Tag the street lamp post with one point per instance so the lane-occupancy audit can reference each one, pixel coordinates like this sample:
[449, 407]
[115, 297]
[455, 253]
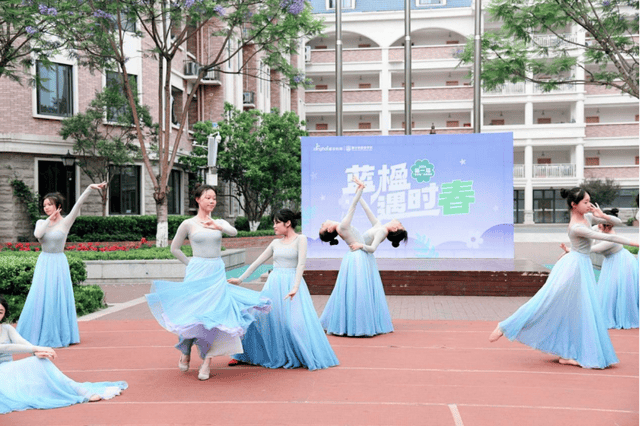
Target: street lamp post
[68, 161]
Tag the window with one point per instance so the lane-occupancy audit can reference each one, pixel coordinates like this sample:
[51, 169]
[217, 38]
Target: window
[128, 22]
[176, 105]
[637, 160]
[453, 124]
[544, 120]
[466, 125]
[592, 120]
[364, 85]
[592, 161]
[426, 3]
[124, 190]
[364, 45]
[543, 160]
[322, 126]
[229, 50]
[53, 176]
[413, 124]
[55, 95]
[321, 87]
[114, 81]
[320, 47]
[452, 42]
[518, 206]
[346, 4]
[497, 122]
[549, 206]
[174, 194]
[364, 126]
[451, 83]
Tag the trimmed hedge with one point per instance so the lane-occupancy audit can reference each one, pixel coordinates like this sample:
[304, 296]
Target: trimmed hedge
[120, 228]
[16, 275]
[242, 224]
[145, 253]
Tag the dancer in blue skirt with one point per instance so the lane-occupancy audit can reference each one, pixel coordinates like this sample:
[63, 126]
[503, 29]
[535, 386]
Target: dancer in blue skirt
[564, 317]
[35, 382]
[357, 305]
[290, 336]
[204, 309]
[617, 288]
[49, 314]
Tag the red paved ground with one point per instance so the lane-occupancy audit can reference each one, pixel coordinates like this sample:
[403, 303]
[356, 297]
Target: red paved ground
[425, 373]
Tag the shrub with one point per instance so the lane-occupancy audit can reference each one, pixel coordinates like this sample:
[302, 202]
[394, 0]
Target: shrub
[129, 228]
[16, 275]
[633, 250]
[89, 298]
[241, 223]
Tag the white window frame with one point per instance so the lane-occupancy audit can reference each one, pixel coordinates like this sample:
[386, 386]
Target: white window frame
[346, 4]
[431, 3]
[74, 89]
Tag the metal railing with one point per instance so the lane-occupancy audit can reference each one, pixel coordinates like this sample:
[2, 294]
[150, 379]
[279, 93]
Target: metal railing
[566, 170]
[508, 89]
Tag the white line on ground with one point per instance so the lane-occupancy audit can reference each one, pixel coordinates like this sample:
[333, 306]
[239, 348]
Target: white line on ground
[457, 419]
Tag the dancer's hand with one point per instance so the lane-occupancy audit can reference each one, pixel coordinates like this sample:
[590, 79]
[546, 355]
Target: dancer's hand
[234, 281]
[98, 185]
[55, 216]
[44, 352]
[564, 247]
[595, 209]
[211, 224]
[356, 246]
[358, 182]
[291, 294]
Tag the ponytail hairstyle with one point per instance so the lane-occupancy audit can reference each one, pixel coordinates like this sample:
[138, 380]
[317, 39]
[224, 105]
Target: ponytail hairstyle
[573, 195]
[4, 303]
[55, 197]
[613, 212]
[286, 215]
[329, 237]
[396, 236]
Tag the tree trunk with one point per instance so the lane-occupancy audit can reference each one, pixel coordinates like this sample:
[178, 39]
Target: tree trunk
[103, 195]
[253, 225]
[162, 234]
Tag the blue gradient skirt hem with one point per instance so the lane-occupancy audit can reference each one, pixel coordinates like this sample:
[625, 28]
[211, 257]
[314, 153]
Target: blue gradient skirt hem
[617, 290]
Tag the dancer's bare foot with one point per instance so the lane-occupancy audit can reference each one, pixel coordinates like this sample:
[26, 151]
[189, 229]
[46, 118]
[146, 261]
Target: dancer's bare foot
[205, 369]
[495, 334]
[564, 361]
[95, 398]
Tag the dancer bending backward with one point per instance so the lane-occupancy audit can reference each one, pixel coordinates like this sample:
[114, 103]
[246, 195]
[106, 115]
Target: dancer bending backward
[357, 305]
[564, 317]
[49, 314]
[290, 335]
[204, 309]
[35, 382]
[617, 288]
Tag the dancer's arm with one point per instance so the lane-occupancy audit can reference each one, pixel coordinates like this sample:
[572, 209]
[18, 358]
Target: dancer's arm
[602, 247]
[372, 218]
[41, 227]
[259, 261]
[75, 211]
[586, 232]
[178, 240]
[346, 222]
[598, 217]
[226, 227]
[19, 345]
[302, 260]
[378, 237]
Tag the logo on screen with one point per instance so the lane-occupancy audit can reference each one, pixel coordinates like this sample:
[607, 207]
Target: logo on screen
[422, 171]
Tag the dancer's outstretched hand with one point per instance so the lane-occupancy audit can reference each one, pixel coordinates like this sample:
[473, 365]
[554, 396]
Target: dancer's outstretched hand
[595, 209]
[234, 281]
[356, 246]
[291, 294]
[211, 224]
[98, 185]
[564, 247]
[42, 352]
[358, 182]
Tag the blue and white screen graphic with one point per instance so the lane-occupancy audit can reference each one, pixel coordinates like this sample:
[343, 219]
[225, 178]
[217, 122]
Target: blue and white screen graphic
[453, 193]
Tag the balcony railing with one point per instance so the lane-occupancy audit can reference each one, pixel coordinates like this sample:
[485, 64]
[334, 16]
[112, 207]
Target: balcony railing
[518, 171]
[554, 170]
[551, 40]
[562, 88]
[508, 89]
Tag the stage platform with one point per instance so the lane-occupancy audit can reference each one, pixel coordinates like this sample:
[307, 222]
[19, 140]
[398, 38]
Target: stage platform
[443, 277]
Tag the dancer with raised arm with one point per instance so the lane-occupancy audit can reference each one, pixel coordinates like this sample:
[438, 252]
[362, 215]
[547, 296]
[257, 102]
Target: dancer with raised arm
[564, 317]
[49, 314]
[289, 336]
[617, 288]
[357, 305]
[204, 309]
[35, 382]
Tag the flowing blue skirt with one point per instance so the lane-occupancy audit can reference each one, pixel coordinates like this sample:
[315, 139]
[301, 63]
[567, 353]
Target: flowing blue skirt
[204, 308]
[357, 305]
[49, 314]
[564, 317]
[37, 383]
[290, 336]
[617, 290]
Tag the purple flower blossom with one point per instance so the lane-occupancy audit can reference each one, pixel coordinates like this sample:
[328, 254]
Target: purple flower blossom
[44, 10]
[219, 10]
[188, 3]
[294, 7]
[606, 3]
[102, 14]
[29, 29]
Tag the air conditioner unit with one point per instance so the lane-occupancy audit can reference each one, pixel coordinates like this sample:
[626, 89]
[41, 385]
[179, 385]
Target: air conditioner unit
[307, 53]
[191, 68]
[212, 74]
[247, 97]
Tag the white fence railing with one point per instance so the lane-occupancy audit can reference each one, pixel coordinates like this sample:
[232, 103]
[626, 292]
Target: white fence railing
[552, 40]
[518, 171]
[554, 170]
[507, 89]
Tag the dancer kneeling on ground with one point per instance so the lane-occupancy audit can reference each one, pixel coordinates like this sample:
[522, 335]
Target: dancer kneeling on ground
[357, 305]
[564, 317]
[290, 335]
[49, 314]
[35, 382]
[617, 288]
[204, 309]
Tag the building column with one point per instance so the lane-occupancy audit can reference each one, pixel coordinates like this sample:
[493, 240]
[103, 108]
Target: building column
[385, 84]
[528, 186]
[528, 113]
[580, 161]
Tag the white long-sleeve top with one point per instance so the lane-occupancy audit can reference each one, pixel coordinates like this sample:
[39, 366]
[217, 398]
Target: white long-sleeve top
[11, 342]
[347, 232]
[374, 235]
[205, 242]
